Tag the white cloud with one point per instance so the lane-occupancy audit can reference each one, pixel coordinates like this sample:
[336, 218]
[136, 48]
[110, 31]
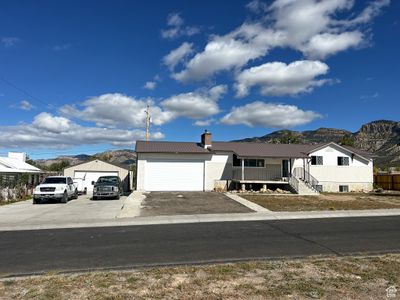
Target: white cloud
[207, 122]
[177, 55]
[277, 78]
[116, 109]
[51, 123]
[195, 105]
[9, 41]
[25, 105]
[323, 45]
[269, 115]
[176, 27]
[150, 85]
[174, 19]
[48, 131]
[316, 28]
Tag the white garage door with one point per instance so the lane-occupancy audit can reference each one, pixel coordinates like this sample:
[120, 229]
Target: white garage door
[174, 175]
[91, 176]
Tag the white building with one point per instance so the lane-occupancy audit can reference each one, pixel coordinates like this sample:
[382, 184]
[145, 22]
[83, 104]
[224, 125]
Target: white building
[12, 166]
[204, 166]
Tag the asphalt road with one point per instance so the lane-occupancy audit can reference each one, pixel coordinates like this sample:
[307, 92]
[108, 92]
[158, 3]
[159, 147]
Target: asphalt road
[25, 252]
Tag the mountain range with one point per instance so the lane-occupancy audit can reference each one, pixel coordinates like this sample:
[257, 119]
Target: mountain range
[381, 138]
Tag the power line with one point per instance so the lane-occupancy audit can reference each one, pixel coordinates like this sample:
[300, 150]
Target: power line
[26, 93]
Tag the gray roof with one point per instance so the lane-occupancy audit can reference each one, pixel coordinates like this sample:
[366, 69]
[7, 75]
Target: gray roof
[170, 147]
[242, 149]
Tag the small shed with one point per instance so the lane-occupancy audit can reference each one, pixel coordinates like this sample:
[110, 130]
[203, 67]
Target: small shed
[92, 170]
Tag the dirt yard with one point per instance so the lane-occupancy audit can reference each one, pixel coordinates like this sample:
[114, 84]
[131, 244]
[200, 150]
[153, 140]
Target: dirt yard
[318, 278]
[328, 201]
[188, 203]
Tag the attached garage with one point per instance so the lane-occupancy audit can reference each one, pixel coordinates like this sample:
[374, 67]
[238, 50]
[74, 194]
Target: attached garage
[92, 170]
[174, 175]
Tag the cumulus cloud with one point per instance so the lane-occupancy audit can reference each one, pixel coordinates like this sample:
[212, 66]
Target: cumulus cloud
[278, 79]
[116, 109]
[195, 105]
[177, 55]
[316, 28]
[25, 105]
[49, 131]
[176, 27]
[10, 41]
[269, 115]
[150, 85]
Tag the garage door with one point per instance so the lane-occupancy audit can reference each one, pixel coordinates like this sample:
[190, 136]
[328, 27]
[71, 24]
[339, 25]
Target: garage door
[90, 176]
[174, 175]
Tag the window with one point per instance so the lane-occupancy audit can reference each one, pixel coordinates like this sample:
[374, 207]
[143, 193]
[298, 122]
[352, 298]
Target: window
[343, 188]
[248, 162]
[317, 160]
[254, 163]
[343, 161]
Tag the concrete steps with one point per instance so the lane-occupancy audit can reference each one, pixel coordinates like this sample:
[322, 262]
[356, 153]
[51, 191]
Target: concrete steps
[304, 189]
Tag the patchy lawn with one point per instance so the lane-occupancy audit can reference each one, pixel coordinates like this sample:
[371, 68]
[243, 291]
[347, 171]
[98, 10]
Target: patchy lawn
[326, 278]
[326, 201]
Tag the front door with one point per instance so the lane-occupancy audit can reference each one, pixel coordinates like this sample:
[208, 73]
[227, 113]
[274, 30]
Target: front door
[285, 168]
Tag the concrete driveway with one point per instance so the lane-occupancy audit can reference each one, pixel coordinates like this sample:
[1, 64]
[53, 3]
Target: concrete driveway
[81, 210]
[189, 203]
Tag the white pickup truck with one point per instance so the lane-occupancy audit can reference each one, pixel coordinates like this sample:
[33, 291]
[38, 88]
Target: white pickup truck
[55, 188]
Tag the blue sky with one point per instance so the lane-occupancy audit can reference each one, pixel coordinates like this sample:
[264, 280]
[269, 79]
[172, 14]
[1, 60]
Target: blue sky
[76, 76]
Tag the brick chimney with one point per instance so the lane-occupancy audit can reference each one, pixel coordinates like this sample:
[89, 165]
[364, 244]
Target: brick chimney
[206, 139]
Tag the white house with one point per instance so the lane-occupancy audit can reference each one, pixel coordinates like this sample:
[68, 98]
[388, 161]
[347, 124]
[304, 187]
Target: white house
[204, 166]
[14, 165]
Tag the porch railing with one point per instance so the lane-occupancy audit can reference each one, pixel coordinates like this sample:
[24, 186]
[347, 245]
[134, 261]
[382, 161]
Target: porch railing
[256, 174]
[306, 177]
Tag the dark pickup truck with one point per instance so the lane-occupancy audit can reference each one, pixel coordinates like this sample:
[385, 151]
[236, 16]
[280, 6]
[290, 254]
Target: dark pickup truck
[107, 187]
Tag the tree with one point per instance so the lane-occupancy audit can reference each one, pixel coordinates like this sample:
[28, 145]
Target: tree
[347, 140]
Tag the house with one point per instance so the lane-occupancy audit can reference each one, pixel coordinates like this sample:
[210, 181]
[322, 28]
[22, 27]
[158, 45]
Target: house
[208, 165]
[14, 165]
[92, 170]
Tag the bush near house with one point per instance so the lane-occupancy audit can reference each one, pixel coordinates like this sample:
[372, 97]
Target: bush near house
[15, 189]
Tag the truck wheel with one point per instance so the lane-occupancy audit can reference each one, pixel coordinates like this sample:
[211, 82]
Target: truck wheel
[65, 197]
[76, 194]
[36, 201]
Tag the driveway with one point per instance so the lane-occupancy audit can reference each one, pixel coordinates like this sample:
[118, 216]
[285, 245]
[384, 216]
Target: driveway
[189, 203]
[81, 210]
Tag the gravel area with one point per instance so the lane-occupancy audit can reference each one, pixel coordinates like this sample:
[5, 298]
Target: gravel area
[188, 203]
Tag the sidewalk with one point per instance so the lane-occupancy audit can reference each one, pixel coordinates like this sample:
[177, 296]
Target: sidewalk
[206, 218]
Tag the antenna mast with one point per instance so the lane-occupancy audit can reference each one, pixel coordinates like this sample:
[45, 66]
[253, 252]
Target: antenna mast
[147, 111]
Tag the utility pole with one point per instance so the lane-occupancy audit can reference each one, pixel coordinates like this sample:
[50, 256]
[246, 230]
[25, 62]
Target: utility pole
[148, 117]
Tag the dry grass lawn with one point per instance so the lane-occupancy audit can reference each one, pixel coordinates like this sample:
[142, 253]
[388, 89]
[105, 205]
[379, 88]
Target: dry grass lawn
[325, 278]
[325, 201]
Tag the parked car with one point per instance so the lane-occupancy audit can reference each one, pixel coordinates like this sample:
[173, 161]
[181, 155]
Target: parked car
[80, 185]
[55, 188]
[107, 187]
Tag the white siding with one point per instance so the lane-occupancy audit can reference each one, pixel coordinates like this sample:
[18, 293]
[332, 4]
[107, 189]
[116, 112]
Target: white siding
[218, 168]
[358, 175]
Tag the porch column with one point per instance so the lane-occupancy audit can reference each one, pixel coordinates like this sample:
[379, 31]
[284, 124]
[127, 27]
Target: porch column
[242, 160]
